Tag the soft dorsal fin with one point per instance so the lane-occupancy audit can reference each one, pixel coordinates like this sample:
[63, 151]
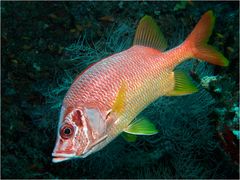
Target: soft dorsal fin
[148, 34]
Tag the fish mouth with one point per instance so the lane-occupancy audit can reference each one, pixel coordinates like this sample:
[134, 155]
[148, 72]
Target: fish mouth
[57, 157]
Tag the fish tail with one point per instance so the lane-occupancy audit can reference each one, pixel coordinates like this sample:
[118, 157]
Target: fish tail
[197, 42]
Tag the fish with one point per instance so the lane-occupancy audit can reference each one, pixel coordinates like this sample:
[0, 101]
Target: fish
[105, 100]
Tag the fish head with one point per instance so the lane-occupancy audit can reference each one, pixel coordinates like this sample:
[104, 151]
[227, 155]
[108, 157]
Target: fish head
[79, 131]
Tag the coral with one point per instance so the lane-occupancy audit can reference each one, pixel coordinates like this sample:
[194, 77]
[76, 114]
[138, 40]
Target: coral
[205, 81]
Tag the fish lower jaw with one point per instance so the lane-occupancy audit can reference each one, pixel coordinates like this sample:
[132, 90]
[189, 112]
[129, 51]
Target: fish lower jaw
[61, 157]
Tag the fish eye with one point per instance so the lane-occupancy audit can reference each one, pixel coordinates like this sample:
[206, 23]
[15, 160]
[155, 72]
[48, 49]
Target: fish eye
[66, 131]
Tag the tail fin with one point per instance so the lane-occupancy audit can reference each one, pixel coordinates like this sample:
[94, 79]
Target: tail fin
[197, 41]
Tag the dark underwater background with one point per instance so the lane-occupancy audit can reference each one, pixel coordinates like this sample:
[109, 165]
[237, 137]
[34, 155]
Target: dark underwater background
[45, 45]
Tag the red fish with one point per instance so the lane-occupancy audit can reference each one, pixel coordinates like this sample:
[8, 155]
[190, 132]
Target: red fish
[105, 99]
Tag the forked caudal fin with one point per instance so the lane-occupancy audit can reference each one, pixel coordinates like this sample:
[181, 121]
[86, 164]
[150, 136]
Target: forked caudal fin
[197, 41]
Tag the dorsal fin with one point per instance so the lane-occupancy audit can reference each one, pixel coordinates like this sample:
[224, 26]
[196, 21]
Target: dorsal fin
[148, 34]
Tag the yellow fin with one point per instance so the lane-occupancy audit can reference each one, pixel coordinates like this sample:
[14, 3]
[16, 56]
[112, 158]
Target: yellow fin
[183, 85]
[148, 34]
[141, 126]
[118, 105]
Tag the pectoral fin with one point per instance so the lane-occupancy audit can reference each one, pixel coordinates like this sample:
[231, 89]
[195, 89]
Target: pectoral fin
[182, 85]
[129, 137]
[141, 126]
[118, 105]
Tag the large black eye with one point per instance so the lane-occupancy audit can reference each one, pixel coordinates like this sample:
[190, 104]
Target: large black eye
[66, 131]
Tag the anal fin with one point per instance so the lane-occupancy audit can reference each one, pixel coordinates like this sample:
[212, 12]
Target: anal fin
[182, 85]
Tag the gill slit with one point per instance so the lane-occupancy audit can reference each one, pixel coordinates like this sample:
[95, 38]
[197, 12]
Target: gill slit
[85, 130]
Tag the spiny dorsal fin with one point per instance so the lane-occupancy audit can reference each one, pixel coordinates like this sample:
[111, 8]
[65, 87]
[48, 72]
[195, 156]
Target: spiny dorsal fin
[183, 84]
[148, 34]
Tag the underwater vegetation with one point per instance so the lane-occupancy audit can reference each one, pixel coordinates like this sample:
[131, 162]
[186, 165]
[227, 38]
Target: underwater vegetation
[45, 45]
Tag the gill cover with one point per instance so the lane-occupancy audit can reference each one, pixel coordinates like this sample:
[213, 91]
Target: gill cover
[96, 121]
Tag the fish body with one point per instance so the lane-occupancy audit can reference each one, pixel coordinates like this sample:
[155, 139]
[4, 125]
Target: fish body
[106, 98]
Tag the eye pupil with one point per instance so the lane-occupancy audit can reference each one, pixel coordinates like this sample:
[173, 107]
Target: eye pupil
[67, 131]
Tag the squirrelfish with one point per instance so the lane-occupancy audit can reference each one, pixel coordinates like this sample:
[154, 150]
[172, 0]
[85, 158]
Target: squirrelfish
[105, 99]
